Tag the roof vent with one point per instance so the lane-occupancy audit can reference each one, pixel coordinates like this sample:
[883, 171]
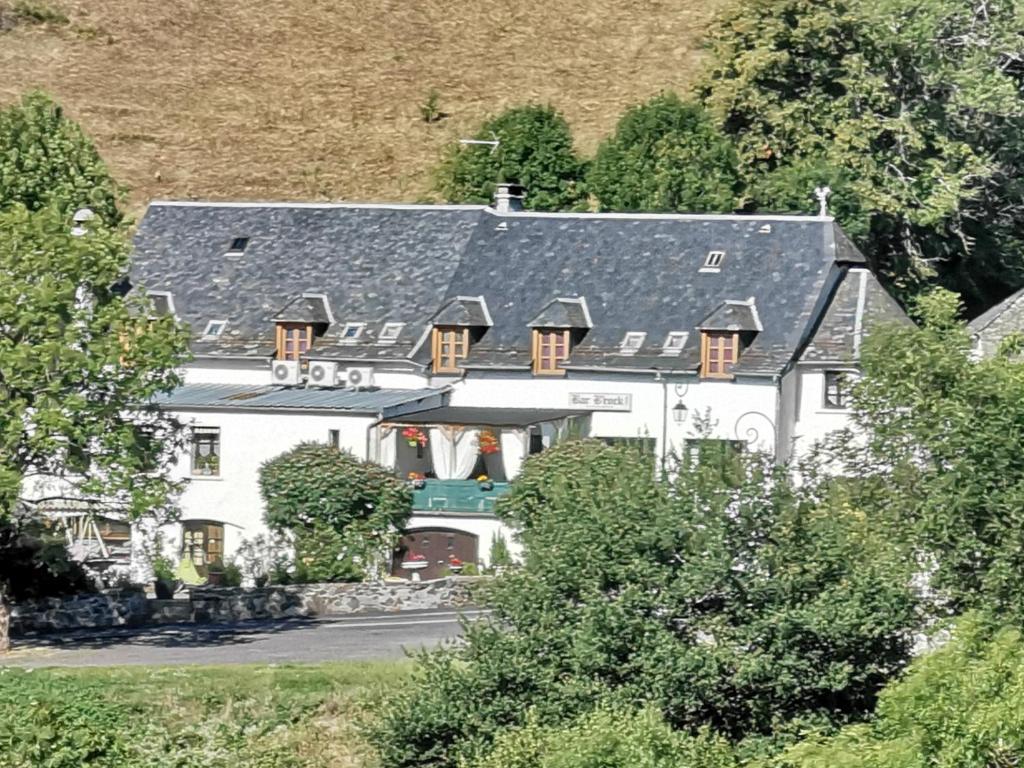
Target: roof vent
[238, 246]
[713, 261]
[509, 198]
[766, 229]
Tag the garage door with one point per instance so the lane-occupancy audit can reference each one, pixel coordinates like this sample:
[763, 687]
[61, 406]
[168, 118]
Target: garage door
[437, 546]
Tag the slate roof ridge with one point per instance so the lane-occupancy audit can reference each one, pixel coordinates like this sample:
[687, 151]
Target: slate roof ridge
[990, 315]
[666, 216]
[468, 207]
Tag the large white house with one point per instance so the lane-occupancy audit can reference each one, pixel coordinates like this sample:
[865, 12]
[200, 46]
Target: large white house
[451, 342]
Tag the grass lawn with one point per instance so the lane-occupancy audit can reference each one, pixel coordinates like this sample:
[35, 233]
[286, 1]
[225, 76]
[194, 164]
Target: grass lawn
[299, 716]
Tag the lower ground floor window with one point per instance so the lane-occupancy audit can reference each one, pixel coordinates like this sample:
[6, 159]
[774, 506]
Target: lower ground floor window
[203, 543]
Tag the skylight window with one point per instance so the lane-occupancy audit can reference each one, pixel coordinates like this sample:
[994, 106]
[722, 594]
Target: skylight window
[713, 261]
[214, 329]
[632, 341]
[238, 245]
[390, 331]
[352, 331]
[674, 342]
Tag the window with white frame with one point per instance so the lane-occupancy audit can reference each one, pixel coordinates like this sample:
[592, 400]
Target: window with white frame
[837, 390]
[214, 329]
[206, 451]
[632, 342]
[713, 261]
[390, 332]
[674, 342]
[352, 331]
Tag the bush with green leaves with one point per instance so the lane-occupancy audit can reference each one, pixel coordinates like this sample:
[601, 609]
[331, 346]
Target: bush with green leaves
[750, 608]
[535, 150]
[606, 738]
[341, 512]
[46, 159]
[962, 705]
[939, 458]
[666, 155]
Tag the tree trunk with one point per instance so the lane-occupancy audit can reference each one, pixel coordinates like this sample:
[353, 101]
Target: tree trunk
[5, 622]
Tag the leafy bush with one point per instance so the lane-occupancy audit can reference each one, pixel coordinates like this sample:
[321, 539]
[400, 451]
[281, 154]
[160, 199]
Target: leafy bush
[535, 150]
[606, 738]
[665, 155]
[747, 609]
[500, 557]
[34, 562]
[958, 706]
[340, 511]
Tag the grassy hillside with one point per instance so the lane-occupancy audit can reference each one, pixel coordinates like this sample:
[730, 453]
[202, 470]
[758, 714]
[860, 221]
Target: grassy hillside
[321, 98]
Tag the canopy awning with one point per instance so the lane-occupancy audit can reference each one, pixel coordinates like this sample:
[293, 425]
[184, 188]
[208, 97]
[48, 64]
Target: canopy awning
[489, 417]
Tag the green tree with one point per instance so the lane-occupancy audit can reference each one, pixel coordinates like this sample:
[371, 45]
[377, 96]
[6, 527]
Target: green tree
[959, 705]
[940, 454]
[46, 159]
[341, 511]
[666, 155]
[80, 364]
[742, 607]
[910, 111]
[535, 150]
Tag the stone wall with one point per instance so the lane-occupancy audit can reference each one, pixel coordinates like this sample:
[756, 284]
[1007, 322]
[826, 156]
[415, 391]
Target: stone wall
[231, 604]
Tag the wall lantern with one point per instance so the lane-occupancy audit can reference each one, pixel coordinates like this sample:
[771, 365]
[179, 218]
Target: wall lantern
[679, 412]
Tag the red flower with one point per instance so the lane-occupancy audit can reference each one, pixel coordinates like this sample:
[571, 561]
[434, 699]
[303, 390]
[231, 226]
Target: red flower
[414, 557]
[453, 560]
[488, 442]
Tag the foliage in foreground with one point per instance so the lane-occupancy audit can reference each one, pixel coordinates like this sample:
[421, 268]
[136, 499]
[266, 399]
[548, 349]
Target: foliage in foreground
[962, 705]
[747, 609]
[941, 458]
[535, 150]
[206, 717]
[607, 738]
[342, 512]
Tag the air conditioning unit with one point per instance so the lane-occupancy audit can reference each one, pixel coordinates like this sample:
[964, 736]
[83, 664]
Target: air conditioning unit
[285, 372]
[322, 374]
[359, 378]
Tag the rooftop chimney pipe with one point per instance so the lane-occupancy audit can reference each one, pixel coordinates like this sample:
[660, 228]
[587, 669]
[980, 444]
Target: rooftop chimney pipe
[509, 198]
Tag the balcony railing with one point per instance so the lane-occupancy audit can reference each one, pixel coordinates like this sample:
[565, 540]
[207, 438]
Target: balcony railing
[456, 496]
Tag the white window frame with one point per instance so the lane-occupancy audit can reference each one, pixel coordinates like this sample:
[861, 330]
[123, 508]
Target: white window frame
[713, 261]
[346, 339]
[209, 334]
[670, 349]
[385, 337]
[632, 342]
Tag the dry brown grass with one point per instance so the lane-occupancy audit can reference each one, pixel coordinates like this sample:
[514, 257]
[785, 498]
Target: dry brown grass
[320, 98]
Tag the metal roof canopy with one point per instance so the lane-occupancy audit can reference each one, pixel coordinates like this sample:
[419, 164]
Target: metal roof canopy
[490, 417]
[385, 402]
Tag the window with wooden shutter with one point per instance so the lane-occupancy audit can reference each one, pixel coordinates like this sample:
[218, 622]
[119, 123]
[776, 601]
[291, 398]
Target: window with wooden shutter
[293, 340]
[451, 347]
[550, 351]
[719, 351]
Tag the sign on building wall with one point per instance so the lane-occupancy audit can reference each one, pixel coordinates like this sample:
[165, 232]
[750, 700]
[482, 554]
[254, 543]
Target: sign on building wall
[597, 401]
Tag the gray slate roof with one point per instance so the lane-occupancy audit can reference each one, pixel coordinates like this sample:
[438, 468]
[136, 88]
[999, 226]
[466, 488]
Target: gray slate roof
[990, 328]
[392, 263]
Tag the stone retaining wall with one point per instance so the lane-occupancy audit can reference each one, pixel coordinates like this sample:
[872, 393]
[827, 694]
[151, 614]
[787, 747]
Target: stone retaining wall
[230, 604]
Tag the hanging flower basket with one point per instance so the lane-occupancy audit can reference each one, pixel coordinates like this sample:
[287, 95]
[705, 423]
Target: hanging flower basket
[488, 442]
[414, 436]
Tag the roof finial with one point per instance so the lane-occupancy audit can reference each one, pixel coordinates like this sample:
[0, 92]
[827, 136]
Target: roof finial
[822, 194]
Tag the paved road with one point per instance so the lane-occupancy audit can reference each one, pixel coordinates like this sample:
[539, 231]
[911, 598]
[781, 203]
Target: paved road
[359, 637]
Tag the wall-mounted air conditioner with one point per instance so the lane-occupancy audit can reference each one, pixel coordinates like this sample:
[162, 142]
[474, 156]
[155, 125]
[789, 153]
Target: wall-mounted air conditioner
[359, 378]
[322, 374]
[285, 372]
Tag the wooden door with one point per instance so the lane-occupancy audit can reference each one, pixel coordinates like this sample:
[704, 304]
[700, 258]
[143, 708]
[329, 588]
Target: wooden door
[438, 546]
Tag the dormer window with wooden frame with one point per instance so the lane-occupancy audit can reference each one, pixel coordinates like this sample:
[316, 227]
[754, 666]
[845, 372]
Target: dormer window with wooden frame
[299, 323]
[719, 351]
[460, 323]
[551, 348]
[724, 334]
[294, 340]
[450, 348]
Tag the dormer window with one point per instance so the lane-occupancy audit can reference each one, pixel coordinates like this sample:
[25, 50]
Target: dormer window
[294, 340]
[674, 342]
[450, 348]
[551, 348]
[632, 342]
[719, 352]
[238, 246]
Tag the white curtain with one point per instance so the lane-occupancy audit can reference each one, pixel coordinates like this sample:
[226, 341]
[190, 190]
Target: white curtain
[387, 446]
[515, 444]
[453, 451]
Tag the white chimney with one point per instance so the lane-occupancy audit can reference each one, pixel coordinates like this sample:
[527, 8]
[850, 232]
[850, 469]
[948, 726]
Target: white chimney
[509, 198]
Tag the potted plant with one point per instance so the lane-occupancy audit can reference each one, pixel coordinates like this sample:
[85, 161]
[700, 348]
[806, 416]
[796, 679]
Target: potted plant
[418, 480]
[164, 583]
[454, 564]
[488, 442]
[486, 484]
[215, 575]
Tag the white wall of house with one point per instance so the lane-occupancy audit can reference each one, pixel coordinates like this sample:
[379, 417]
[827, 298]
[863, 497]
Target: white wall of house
[814, 421]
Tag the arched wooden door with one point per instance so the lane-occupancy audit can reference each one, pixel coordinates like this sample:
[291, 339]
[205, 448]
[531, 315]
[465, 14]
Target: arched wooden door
[437, 546]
